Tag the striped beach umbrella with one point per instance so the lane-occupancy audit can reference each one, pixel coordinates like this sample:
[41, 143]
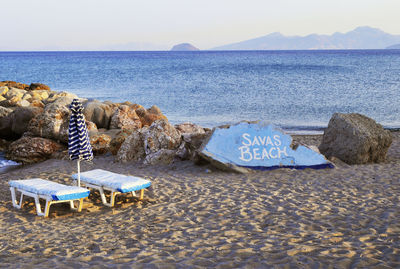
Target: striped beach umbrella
[79, 147]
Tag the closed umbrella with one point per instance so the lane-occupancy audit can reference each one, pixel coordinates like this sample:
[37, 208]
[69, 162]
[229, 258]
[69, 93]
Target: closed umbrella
[79, 147]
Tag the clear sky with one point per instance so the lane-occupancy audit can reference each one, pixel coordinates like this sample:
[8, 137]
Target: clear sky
[91, 24]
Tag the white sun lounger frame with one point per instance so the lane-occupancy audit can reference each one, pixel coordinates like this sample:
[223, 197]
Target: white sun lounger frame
[114, 192]
[48, 198]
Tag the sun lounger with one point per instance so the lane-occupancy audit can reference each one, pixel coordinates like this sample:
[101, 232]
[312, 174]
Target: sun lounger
[50, 191]
[115, 183]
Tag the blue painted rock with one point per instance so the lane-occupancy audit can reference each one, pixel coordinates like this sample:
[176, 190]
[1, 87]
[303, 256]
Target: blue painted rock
[258, 146]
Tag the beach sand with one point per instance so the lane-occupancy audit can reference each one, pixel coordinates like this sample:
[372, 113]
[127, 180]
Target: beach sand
[199, 217]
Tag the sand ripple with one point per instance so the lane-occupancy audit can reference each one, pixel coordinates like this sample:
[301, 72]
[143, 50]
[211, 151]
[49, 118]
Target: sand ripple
[197, 217]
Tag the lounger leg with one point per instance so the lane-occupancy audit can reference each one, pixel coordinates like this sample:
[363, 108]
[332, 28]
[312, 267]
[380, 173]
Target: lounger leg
[112, 198]
[80, 205]
[102, 195]
[14, 198]
[141, 194]
[133, 193]
[47, 208]
[71, 203]
[38, 209]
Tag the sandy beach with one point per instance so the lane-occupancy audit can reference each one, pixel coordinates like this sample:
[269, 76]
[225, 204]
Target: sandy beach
[199, 217]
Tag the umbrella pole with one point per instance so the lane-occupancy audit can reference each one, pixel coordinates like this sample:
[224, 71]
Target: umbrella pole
[79, 173]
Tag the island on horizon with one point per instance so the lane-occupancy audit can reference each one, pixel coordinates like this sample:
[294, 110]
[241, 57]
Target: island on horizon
[184, 47]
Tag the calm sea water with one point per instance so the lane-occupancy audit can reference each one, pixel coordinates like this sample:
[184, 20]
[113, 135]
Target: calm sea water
[297, 90]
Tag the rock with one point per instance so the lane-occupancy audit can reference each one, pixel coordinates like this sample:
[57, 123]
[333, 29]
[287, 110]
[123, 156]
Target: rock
[118, 140]
[257, 146]
[53, 96]
[53, 122]
[14, 92]
[32, 149]
[2, 98]
[5, 126]
[37, 103]
[148, 141]
[188, 127]
[91, 127]
[355, 139]
[4, 144]
[15, 123]
[132, 149]
[38, 86]
[26, 96]
[125, 117]
[41, 94]
[99, 113]
[22, 103]
[100, 143]
[14, 84]
[4, 111]
[21, 117]
[3, 90]
[161, 135]
[147, 117]
[191, 143]
[163, 156]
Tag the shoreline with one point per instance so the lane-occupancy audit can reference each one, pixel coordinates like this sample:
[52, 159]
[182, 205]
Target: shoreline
[197, 216]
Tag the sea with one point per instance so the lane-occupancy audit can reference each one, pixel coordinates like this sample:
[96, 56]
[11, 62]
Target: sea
[295, 90]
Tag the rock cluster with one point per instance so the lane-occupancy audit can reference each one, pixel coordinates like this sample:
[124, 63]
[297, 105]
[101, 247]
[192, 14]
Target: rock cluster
[34, 126]
[355, 139]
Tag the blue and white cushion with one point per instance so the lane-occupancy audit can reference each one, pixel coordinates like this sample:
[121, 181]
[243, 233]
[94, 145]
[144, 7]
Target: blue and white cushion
[112, 180]
[44, 187]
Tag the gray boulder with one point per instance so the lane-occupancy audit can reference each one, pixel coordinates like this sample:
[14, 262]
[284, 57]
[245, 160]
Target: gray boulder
[132, 148]
[32, 149]
[4, 111]
[125, 117]
[53, 122]
[355, 139]
[188, 127]
[99, 113]
[14, 124]
[152, 145]
[21, 117]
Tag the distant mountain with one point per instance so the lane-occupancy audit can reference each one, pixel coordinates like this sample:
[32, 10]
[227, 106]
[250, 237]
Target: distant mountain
[360, 38]
[394, 47]
[184, 47]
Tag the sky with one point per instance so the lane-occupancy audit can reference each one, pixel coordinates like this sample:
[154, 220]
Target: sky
[160, 24]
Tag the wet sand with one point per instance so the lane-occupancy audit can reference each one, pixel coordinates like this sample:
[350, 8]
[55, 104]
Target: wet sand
[199, 217]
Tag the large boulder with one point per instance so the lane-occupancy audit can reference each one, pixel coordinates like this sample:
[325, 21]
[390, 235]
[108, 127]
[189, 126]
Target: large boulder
[54, 96]
[3, 90]
[148, 116]
[4, 111]
[21, 117]
[193, 136]
[14, 84]
[100, 143]
[53, 122]
[38, 87]
[39, 94]
[13, 97]
[125, 117]
[161, 135]
[32, 149]
[99, 113]
[191, 143]
[119, 139]
[151, 144]
[189, 128]
[16, 122]
[132, 148]
[355, 139]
